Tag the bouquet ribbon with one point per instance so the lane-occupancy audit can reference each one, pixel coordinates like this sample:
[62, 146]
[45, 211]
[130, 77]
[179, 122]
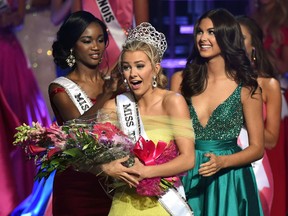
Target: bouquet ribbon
[147, 151]
[36, 150]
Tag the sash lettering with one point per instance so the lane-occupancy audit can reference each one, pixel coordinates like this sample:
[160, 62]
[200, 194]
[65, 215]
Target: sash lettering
[79, 97]
[82, 102]
[128, 115]
[111, 22]
[106, 10]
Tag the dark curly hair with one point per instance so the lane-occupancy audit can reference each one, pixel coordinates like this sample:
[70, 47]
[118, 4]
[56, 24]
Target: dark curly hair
[229, 38]
[70, 31]
[262, 64]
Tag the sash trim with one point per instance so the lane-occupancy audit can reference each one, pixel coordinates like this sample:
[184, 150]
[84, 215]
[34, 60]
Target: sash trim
[76, 94]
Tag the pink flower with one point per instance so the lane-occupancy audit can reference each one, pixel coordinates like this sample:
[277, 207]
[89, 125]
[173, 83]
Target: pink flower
[151, 154]
[107, 129]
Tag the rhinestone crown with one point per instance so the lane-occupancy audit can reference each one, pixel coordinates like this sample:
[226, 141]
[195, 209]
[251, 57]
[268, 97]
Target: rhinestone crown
[145, 32]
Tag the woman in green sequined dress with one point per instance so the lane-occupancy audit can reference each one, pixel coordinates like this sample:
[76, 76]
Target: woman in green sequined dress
[222, 92]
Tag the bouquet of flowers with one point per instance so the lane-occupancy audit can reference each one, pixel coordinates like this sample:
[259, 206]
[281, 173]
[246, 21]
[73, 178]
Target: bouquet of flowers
[85, 144]
[80, 144]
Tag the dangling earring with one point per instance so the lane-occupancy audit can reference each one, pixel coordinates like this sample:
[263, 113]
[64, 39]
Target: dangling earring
[253, 55]
[126, 85]
[154, 82]
[70, 59]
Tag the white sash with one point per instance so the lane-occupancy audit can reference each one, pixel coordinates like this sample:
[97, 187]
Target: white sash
[128, 116]
[111, 22]
[174, 200]
[76, 94]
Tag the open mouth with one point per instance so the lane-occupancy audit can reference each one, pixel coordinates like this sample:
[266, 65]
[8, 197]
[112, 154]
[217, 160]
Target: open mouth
[135, 84]
[205, 46]
[95, 56]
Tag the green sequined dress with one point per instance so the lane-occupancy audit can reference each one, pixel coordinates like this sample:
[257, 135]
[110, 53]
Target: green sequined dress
[231, 191]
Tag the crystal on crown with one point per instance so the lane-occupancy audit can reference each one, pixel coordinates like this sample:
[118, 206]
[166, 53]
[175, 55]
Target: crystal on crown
[145, 32]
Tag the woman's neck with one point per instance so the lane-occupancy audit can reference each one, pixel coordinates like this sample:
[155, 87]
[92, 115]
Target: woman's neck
[216, 67]
[86, 74]
[149, 99]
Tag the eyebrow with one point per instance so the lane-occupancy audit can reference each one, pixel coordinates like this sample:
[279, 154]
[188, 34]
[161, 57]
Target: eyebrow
[135, 62]
[212, 28]
[86, 36]
[139, 61]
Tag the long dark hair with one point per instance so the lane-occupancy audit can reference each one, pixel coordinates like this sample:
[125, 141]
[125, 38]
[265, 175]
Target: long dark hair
[229, 38]
[69, 33]
[260, 60]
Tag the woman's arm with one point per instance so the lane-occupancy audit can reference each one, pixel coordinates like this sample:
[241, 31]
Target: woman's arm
[67, 109]
[272, 93]
[176, 80]
[63, 103]
[141, 11]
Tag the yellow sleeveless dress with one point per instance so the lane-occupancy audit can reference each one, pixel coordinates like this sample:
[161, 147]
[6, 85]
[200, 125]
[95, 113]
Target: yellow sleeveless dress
[126, 202]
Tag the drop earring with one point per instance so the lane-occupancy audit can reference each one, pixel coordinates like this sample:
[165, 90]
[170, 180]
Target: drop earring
[253, 55]
[154, 82]
[126, 85]
[71, 59]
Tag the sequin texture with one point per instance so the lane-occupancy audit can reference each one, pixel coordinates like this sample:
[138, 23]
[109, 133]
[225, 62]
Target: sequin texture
[224, 123]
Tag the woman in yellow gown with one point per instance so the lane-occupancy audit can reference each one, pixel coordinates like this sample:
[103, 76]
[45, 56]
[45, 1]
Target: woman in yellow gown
[149, 111]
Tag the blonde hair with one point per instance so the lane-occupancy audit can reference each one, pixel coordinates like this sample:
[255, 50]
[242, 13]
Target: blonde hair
[152, 55]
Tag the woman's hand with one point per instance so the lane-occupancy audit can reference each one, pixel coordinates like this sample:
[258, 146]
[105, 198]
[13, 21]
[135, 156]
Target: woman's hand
[139, 168]
[113, 81]
[212, 166]
[116, 170]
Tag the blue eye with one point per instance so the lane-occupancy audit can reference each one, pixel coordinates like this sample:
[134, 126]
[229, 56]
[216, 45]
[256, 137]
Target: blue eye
[126, 68]
[140, 66]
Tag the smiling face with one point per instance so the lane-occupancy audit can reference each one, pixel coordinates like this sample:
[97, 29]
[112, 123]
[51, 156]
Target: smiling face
[90, 46]
[138, 71]
[206, 40]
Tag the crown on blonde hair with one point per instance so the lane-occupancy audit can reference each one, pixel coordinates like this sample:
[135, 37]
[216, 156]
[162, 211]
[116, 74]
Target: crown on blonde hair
[146, 33]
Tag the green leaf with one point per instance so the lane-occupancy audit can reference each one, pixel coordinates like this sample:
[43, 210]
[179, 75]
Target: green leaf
[74, 152]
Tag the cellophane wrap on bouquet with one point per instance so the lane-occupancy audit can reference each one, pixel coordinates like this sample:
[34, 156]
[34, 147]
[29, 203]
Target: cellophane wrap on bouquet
[86, 143]
[82, 144]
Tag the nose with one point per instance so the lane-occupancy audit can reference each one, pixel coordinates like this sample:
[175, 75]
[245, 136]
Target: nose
[95, 45]
[132, 72]
[203, 37]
